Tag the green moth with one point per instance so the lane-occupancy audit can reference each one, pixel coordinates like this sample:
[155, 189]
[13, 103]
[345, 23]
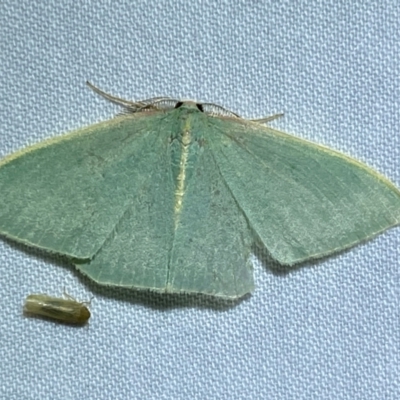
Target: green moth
[171, 195]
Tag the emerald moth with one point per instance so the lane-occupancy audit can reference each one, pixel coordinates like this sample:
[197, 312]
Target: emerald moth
[66, 310]
[171, 195]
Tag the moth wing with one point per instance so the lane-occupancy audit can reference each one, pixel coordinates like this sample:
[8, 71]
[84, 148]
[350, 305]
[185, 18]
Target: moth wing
[303, 200]
[212, 242]
[74, 194]
[136, 253]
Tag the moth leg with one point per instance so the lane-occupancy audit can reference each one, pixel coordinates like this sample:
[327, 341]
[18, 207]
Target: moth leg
[69, 297]
[264, 120]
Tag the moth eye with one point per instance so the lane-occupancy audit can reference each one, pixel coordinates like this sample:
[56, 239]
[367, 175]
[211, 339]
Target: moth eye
[200, 107]
[178, 104]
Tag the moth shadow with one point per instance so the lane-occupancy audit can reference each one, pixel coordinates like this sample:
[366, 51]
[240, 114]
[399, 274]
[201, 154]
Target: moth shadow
[166, 301]
[55, 321]
[155, 300]
[53, 258]
[277, 269]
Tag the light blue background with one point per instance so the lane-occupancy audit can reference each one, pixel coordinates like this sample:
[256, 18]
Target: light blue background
[329, 330]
